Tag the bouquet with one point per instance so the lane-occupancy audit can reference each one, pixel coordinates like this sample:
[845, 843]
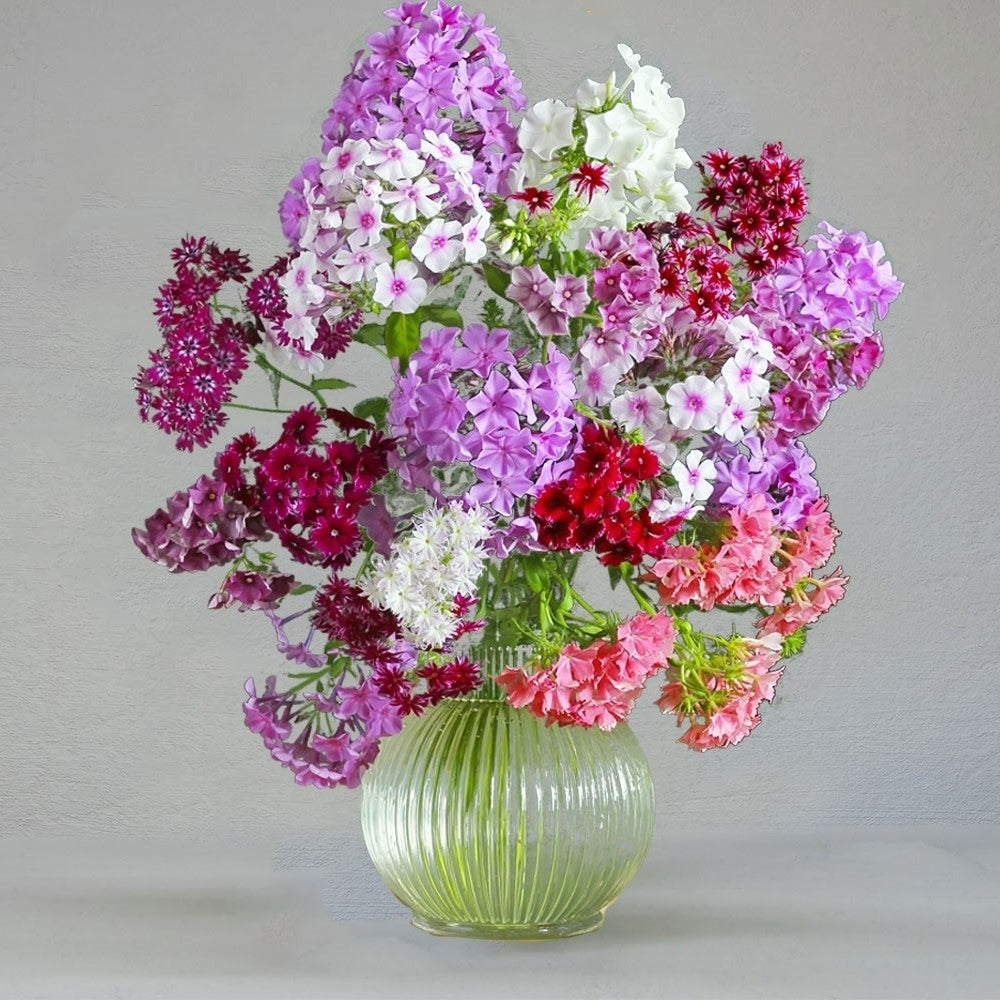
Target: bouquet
[583, 361]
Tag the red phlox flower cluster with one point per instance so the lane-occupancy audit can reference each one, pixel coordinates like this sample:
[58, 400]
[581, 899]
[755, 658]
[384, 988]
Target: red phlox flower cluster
[693, 267]
[592, 508]
[757, 203]
[310, 492]
[756, 563]
[738, 715]
[183, 388]
[596, 685]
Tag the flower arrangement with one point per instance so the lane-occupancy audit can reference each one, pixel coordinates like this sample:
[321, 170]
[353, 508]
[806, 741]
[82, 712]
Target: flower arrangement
[579, 364]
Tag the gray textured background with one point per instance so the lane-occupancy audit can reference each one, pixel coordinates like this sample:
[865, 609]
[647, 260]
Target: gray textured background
[128, 124]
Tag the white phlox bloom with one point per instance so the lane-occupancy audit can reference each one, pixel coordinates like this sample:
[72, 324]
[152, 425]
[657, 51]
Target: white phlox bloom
[695, 476]
[394, 161]
[743, 374]
[591, 95]
[615, 135]
[473, 233]
[695, 403]
[548, 126]
[441, 557]
[400, 288]
[341, 163]
[299, 283]
[639, 410]
[741, 332]
[437, 246]
[412, 198]
[737, 417]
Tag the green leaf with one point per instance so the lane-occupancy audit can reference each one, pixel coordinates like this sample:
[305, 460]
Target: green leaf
[444, 315]
[402, 336]
[374, 409]
[614, 575]
[372, 334]
[497, 279]
[303, 588]
[275, 379]
[457, 296]
[331, 383]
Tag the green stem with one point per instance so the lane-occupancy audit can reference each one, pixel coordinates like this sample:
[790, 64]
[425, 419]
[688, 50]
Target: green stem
[640, 597]
[267, 366]
[256, 409]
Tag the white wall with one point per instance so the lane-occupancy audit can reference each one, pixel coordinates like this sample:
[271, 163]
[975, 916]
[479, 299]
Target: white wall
[128, 124]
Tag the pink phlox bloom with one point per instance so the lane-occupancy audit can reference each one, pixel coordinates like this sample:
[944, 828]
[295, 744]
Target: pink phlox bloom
[805, 603]
[569, 294]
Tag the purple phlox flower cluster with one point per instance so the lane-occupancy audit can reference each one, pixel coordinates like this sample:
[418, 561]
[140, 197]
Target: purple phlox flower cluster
[355, 720]
[297, 652]
[767, 463]
[439, 69]
[200, 527]
[818, 310]
[465, 399]
[187, 381]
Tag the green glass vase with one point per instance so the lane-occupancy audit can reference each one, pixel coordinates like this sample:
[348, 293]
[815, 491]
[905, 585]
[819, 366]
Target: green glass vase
[487, 823]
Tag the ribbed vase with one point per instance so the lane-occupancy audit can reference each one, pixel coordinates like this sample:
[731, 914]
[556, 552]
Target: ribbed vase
[487, 823]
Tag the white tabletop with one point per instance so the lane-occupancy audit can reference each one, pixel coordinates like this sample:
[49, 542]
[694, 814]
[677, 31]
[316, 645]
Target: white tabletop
[862, 912]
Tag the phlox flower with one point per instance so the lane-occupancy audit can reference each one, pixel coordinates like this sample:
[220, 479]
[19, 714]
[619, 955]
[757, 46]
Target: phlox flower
[615, 135]
[299, 283]
[399, 288]
[436, 247]
[473, 243]
[393, 161]
[412, 198]
[694, 476]
[359, 264]
[639, 410]
[364, 218]
[743, 374]
[695, 403]
[342, 162]
[546, 127]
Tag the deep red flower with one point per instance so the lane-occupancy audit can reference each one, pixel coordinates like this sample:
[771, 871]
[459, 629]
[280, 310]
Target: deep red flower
[537, 199]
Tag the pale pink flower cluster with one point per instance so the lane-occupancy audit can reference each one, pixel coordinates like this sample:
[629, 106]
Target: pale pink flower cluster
[758, 563]
[596, 685]
[738, 715]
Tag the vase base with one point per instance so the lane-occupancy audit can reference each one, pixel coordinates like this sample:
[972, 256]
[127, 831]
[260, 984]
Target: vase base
[509, 932]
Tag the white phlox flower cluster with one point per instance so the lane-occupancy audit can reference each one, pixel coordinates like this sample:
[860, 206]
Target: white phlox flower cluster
[441, 557]
[631, 129]
[370, 195]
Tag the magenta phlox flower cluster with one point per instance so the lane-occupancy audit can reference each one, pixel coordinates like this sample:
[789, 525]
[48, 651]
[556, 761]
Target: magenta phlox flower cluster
[253, 591]
[818, 311]
[183, 388]
[310, 492]
[465, 399]
[200, 527]
[550, 304]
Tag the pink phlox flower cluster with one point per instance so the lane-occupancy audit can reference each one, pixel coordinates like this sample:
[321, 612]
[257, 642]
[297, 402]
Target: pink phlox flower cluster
[465, 399]
[732, 709]
[598, 684]
[804, 603]
[550, 304]
[756, 563]
[253, 591]
[200, 527]
[188, 380]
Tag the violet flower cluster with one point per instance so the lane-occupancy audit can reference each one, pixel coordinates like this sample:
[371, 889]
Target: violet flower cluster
[580, 363]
